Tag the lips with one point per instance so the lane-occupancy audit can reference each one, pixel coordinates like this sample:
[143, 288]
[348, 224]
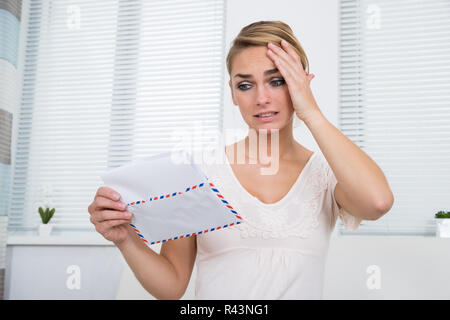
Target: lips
[267, 118]
[257, 115]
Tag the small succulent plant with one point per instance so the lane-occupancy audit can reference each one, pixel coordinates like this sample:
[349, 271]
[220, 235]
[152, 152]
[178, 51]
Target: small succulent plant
[46, 215]
[442, 214]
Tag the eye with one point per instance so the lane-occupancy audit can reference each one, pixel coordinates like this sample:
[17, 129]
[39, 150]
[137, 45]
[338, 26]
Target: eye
[280, 82]
[243, 88]
[275, 82]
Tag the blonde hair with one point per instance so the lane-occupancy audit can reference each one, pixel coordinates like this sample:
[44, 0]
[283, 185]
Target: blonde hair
[260, 34]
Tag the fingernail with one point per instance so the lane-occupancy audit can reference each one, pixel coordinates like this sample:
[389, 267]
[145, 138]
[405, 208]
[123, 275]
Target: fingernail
[127, 214]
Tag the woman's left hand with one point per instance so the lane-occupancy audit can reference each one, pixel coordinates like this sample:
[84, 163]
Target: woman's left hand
[290, 66]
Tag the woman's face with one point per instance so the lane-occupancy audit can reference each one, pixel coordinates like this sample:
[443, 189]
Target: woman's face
[258, 87]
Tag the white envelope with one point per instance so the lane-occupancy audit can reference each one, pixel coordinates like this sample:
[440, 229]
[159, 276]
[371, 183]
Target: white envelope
[170, 197]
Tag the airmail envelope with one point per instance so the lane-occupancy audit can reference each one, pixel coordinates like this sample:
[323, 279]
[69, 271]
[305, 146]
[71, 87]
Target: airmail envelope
[170, 197]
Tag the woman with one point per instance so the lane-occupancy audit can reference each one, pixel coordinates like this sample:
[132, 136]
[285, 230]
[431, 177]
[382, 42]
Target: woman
[279, 252]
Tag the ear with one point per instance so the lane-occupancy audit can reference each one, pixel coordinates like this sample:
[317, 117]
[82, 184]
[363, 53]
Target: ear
[232, 95]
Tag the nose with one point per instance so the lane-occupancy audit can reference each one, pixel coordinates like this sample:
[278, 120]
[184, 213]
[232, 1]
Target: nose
[263, 96]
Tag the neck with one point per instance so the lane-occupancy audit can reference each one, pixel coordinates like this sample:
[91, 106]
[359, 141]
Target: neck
[263, 146]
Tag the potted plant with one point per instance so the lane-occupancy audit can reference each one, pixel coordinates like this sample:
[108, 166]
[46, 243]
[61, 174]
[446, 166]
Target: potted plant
[442, 224]
[45, 228]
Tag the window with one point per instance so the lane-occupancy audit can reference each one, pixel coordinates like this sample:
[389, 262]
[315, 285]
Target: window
[395, 104]
[104, 83]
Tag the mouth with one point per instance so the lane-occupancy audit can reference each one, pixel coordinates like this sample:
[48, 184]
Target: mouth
[267, 116]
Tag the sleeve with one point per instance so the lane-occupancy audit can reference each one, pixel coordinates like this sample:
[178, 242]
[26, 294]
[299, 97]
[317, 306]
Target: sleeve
[350, 222]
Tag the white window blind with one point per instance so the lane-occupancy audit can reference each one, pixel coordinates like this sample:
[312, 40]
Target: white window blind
[395, 104]
[106, 82]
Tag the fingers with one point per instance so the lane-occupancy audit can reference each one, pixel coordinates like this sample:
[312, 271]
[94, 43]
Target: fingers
[106, 198]
[104, 207]
[101, 203]
[291, 52]
[282, 55]
[107, 212]
[102, 227]
[285, 69]
[105, 215]
[105, 203]
[287, 57]
[108, 193]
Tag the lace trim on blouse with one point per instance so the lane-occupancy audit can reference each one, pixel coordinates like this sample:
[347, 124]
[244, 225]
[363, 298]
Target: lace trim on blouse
[292, 218]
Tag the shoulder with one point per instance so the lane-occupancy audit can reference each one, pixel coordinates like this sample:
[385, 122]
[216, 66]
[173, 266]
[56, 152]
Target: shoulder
[324, 170]
[317, 171]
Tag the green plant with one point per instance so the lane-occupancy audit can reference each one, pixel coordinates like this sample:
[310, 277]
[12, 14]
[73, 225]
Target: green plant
[46, 215]
[442, 214]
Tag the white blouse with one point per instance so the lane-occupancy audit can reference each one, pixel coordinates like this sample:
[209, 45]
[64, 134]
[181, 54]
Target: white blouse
[280, 250]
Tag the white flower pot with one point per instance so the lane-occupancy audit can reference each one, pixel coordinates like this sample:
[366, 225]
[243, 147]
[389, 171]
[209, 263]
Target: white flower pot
[45, 229]
[443, 227]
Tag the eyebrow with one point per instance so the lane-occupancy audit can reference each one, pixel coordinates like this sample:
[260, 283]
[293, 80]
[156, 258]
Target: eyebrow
[266, 73]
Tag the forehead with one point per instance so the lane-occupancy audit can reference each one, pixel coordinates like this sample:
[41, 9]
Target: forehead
[253, 60]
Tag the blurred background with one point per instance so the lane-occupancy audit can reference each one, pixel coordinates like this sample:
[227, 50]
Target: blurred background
[86, 86]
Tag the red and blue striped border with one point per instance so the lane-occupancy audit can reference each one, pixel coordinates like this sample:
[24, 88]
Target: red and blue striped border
[154, 198]
[213, 188]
